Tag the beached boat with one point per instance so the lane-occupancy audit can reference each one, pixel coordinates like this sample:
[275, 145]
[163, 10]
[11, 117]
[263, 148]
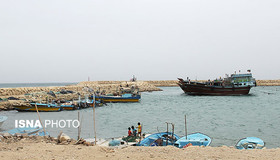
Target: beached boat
[236, 84]
[28, 130]
[196, 139]
[42, 107]
[2, 120]
[159, 139]
[250, 143]
[123, 98]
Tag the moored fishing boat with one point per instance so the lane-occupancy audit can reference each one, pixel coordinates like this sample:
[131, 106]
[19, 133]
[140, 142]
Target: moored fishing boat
[2, 120]
[42, 107]
[95, 103]
[250, 143]
[236, 84]
[123, 98]
[159, 139]
[68, 106]
[195, 139]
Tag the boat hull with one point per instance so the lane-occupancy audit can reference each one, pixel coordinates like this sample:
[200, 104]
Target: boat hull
[196, 89]
[108, 99]
[152, 140]
[250, 143]
[196, 139]
[68, 107]
[2, 120]
[33, 109]
[41, 108]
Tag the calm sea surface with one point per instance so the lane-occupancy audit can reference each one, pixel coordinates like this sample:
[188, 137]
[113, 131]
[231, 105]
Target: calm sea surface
[226, 119]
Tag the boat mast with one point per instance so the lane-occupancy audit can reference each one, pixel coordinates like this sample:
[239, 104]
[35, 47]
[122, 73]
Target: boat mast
[186, 126]
[40, 119]
[93, 98]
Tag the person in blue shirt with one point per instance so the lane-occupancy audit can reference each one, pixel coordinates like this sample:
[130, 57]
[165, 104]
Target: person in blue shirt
[134, 132]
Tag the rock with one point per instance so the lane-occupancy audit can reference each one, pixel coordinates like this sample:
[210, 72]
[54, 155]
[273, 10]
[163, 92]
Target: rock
[24, 135]
[87, 143]
[73, 142]
[7, 135]
[63, 137]
[19, 148]
[18, 135]
[63, 143]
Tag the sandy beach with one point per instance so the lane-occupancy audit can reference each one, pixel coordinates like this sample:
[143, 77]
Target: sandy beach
[39, 149]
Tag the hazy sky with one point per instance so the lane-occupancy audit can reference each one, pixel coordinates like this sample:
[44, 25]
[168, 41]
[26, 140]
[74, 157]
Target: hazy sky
[69, 40]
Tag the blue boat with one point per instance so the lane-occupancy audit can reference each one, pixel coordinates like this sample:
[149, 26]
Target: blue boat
[28, 130]
[195, 139]
[42, 107]
[128, 97]
[69, 106]
[159, 139]
[250, 143]
[2, 120]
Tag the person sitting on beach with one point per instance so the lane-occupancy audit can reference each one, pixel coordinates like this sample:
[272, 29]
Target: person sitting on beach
[134, 132]
[129, 132]
[139, 129]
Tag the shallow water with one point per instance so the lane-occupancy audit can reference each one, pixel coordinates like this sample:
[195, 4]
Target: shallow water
[226, 119]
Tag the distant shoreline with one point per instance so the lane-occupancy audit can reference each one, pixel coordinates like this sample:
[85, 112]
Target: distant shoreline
[157, 83]
[171, 83]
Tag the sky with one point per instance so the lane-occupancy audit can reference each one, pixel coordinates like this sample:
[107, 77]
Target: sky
[71, 40]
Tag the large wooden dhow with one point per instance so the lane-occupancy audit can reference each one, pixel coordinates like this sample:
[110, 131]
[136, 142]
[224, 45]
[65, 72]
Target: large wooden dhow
[236, 84]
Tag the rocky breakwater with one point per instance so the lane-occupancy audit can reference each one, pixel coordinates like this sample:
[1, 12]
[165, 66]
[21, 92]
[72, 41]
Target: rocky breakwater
[10, 97]
[268, 82]
[113, 86]
[164, 83]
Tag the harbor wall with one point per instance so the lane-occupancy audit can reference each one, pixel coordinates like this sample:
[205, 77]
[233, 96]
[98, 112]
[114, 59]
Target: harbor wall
[39, 94]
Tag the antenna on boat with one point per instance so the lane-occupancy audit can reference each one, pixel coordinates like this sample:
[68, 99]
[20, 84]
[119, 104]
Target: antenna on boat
[167, 133]
[93, 98]
[173, 128]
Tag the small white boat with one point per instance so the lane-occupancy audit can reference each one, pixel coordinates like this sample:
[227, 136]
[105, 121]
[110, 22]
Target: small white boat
[195, 139]
[2, 120]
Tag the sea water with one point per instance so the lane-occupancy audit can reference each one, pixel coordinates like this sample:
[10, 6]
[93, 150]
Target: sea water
[15, 85]
[225, 119]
